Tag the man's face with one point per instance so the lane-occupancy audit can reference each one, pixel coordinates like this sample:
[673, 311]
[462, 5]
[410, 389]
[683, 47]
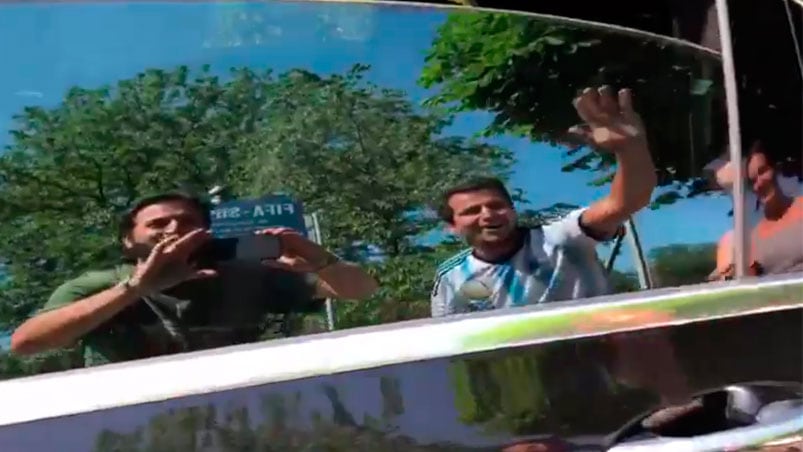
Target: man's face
[483, 217]
[159, 221]
[762, 177]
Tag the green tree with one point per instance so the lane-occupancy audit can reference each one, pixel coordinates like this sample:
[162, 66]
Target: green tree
[623, 281]
[480, 398]
[72, 169]
[525, 71]
[283, 423]
[405, 284]
[12, 366]
[517, 392]
[362, 156]
[371, 164]
[682, 264]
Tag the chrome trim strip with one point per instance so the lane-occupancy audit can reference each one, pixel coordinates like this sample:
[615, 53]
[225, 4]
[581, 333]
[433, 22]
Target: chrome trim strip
[157, 379]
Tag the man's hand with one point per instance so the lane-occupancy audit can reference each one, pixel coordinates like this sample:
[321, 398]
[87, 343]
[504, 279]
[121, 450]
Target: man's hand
[610, 122]
[335, 278]
[729, 272]
[299, 254]
[612, 125]
[168, 264]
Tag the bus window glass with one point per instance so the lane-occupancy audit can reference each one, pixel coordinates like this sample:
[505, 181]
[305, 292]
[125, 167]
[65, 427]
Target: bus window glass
[248, 171]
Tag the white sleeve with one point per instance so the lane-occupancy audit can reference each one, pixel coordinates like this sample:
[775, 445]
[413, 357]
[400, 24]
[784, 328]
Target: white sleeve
[442, 297]
[567, 231]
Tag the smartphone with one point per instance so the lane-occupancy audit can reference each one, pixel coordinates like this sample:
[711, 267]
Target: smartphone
[255, 248]
[259, 248]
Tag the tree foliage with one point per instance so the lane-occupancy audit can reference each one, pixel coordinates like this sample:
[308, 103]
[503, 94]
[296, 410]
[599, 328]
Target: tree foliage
[526, 71]
[682, 264]
[517, 393]
[274, 426]
[361, 155]
[72, 169]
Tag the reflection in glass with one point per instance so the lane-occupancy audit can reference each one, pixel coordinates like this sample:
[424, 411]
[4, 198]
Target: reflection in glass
[274, 423]
[517, 68]
[513, 266]
[315, 416]
[363, 141]
[773, 192]
[578, 392]
[776, 247]
[537, 394]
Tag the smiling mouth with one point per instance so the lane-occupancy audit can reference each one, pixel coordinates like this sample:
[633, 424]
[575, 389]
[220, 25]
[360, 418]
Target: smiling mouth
[494, 227]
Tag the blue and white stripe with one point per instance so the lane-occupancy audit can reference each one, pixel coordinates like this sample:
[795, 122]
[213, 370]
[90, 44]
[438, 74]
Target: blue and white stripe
[557, 262]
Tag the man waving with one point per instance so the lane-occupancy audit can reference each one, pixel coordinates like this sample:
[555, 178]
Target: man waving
[511, 266]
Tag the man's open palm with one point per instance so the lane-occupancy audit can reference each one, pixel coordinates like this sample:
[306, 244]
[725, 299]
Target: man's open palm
[610, 123]
[168, 263]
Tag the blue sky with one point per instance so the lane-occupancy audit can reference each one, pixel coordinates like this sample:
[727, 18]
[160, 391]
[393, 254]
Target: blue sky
[49, 48]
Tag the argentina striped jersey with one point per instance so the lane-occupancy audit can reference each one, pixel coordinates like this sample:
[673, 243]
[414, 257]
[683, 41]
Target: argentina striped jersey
[557, 261]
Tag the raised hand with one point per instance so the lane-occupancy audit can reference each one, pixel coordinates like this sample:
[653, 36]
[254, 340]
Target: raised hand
[168, 264]
[610, 123]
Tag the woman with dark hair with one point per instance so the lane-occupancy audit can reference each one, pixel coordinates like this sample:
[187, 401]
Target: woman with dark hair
[777, 238]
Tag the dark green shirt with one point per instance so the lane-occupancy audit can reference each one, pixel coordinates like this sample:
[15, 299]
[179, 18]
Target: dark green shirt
[213, 312]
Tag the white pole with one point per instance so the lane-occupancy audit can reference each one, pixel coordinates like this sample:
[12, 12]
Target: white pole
[642, 269]
[740, 227]
[318, 238]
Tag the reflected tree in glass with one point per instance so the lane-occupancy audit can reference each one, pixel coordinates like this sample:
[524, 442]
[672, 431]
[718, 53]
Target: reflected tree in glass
[364, 156]
[526, 71]
[278, 422]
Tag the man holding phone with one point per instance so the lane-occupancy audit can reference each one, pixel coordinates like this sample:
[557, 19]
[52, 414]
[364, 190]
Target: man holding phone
[171, 296]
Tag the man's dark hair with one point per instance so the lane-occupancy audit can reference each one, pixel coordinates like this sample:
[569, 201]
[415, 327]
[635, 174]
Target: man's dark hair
[127, 220]
[445, 211]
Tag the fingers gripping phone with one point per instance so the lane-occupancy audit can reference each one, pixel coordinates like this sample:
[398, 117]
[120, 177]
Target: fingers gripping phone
[255, 248]
[258, 248]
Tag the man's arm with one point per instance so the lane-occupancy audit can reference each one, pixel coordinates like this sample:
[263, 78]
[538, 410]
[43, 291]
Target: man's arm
[344, 280]
[69, 317]
[80, 306]
[612, 125]
[293, 290]
[724, 267]
[335, 278]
